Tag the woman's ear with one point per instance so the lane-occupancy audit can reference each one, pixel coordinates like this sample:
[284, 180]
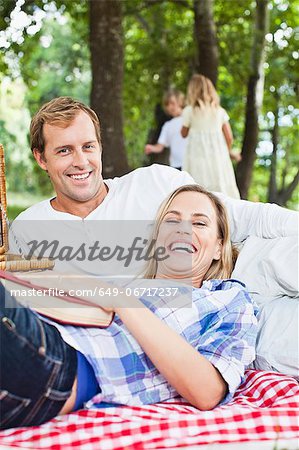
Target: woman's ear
[218, 250]
[40, 159]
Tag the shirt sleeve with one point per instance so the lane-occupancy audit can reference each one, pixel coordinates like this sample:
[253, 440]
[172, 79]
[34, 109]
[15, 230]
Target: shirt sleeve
[186, 116]
[264, 220]
[164, 135]
[229, 341]
[225, 116]
[181, 178]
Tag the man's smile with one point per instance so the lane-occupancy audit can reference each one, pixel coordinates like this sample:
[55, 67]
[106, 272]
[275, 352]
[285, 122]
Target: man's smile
[79, 176]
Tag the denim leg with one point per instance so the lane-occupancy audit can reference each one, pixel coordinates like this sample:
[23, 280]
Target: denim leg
[37, 368]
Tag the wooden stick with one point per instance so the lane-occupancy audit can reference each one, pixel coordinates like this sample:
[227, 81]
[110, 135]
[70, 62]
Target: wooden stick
[3, 224]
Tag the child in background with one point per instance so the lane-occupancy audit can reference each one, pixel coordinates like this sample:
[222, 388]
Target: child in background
[170, 136]
[208, 153]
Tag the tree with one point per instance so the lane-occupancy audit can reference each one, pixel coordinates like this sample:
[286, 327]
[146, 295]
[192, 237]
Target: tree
[160, 50]
[254, 99]
[283, 194]
[104, 23]
[107, 59]
[205, 37]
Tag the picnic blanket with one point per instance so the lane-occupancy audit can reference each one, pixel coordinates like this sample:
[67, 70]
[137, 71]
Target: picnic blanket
[265, 407]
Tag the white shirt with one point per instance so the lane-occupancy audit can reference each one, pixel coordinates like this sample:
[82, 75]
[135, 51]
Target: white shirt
[171, 137]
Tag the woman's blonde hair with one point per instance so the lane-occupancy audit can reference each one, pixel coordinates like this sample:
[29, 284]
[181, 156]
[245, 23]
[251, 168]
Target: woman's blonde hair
[221, 268]
[201, 92]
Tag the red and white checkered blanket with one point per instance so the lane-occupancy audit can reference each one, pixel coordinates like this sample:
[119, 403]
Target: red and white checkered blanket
[265, 407]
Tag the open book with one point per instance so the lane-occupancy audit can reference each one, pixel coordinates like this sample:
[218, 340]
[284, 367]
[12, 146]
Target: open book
[49, 295]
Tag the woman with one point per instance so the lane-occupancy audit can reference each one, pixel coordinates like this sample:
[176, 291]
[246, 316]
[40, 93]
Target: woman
[209, 151]
[152, 354]
[192, 226]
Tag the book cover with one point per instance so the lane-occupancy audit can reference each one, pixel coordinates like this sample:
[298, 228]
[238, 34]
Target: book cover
[49, 295]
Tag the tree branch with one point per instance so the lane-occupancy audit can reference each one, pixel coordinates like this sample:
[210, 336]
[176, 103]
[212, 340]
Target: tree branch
[143, 23]
[286, 194]
[149, 3]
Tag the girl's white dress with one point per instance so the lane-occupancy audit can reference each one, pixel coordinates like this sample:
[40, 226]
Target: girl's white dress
[207, 158]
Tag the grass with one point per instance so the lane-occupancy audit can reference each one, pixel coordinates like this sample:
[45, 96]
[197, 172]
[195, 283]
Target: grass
[14, 211]
[19, 201]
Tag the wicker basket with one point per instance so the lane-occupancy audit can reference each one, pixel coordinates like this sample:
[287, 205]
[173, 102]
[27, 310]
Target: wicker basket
[14, 263]
[3, 224]
[8, 261]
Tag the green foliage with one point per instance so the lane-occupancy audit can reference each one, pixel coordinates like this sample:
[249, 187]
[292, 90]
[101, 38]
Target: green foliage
[59, 65]
[158, 50]
[159, 53]
[14, 211]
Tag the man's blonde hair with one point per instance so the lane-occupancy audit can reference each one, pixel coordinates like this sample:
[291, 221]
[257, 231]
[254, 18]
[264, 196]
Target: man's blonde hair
[201, 92]
[221, 268]
[61, 112]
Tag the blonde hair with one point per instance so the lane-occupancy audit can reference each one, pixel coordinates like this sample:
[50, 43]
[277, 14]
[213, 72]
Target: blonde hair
[61, 112]
[201, 92]
[178, 95]
[221, 268]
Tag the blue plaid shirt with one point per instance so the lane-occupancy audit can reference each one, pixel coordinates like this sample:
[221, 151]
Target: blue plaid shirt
[221, 324]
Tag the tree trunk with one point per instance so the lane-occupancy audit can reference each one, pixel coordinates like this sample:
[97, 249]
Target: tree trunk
[106, 47]
[272, 191]
[206, 40]
[282, 195]
[255, 89]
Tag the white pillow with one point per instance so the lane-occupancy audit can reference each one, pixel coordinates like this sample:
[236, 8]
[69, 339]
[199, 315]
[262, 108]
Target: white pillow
[269, 268]
[277, 346]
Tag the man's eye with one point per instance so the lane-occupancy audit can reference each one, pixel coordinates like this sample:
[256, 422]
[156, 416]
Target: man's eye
[89, 146]
[63, 151]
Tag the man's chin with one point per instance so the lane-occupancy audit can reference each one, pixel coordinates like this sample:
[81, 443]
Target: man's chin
[83, 198]
[80, 197]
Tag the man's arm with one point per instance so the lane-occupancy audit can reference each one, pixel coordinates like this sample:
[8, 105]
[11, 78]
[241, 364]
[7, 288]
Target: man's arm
[246, 218]
[264, 220]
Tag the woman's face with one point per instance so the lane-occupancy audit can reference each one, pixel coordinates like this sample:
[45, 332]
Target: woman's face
[189, 234]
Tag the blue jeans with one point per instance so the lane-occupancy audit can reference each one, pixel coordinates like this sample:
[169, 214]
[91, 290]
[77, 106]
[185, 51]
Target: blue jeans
[37, 368]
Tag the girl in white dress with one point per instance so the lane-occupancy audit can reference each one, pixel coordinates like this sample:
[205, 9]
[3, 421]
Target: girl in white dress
[208, 155]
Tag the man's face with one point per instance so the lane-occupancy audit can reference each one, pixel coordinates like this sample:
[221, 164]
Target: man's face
[72, 158]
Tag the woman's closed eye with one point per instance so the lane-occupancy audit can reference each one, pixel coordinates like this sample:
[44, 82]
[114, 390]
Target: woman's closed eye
[172, 221]
[199, 224]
